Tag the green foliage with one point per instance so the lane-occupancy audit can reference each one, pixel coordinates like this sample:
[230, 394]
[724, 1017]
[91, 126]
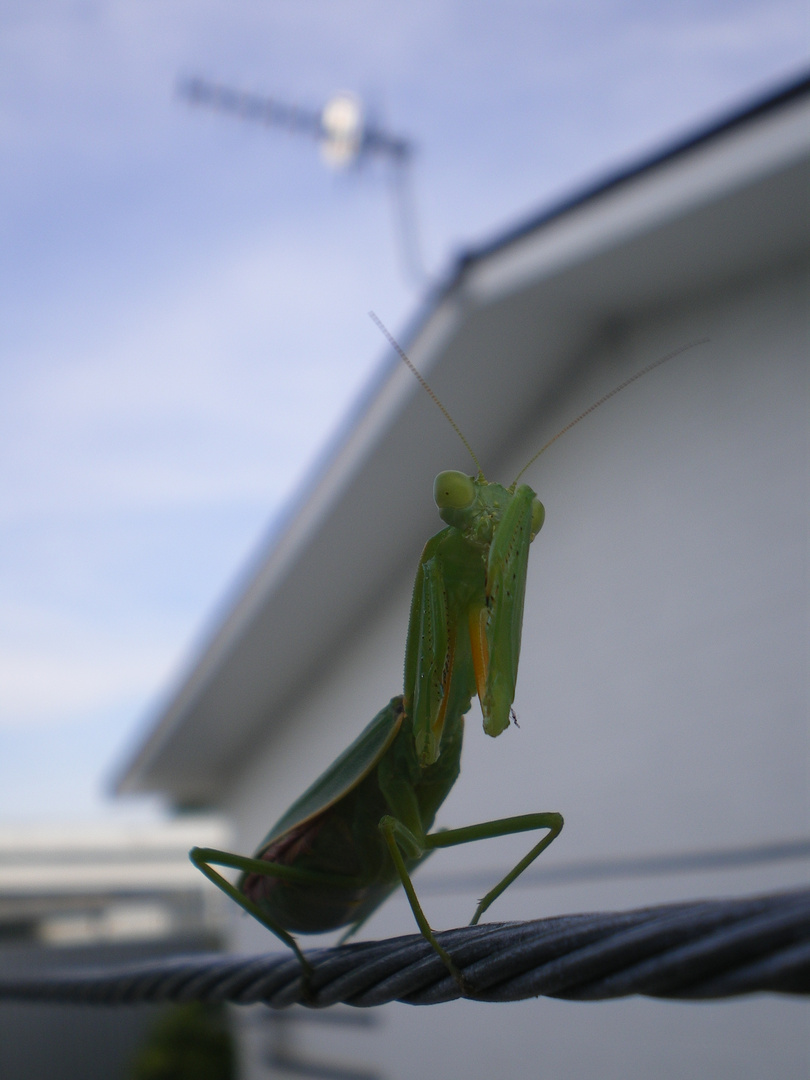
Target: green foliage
[189, 1042]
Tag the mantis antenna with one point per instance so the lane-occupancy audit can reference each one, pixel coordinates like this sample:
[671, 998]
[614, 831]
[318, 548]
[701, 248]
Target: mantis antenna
[606, 397]
[426, 387]
[587, 412]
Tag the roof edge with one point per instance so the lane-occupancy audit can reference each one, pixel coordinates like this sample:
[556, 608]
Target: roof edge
[726, 122]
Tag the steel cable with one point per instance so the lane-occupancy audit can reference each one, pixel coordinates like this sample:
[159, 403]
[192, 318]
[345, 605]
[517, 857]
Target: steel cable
[701, 950]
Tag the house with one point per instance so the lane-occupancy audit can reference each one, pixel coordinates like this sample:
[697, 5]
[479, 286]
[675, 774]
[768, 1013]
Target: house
[663, 699]
[94, 894]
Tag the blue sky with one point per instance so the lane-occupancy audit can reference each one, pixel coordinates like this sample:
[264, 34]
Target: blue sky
[183, 296]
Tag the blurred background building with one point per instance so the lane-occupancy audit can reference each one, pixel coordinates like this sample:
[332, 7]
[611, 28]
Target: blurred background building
[663, 691]
[95, 894]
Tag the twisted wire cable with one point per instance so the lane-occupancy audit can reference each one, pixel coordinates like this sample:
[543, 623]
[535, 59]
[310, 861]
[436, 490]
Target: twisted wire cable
[699, 950]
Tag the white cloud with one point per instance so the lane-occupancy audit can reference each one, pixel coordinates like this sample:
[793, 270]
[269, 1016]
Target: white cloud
[162, 406]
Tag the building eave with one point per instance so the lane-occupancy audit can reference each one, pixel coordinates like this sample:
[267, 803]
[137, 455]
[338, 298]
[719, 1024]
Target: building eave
[726, 202]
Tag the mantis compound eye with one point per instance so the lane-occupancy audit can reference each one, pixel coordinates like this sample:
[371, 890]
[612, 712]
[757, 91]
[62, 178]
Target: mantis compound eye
[453, 490]
[538, 517]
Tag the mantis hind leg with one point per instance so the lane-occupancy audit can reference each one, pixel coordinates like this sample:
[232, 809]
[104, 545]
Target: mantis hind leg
[400, 839]
[203, 858]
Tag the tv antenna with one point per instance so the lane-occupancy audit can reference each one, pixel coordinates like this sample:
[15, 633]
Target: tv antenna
[346, 137]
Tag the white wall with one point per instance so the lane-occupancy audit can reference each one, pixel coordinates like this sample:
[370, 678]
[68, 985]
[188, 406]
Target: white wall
[662, 697]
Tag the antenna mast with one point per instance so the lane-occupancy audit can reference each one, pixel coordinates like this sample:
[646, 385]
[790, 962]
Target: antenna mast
[346, 136]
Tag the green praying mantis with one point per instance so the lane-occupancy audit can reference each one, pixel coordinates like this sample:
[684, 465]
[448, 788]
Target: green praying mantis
[365, 825]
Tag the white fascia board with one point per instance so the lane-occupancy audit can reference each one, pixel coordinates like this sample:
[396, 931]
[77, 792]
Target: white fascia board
[671, 189]
[103, 857]
[113, 879]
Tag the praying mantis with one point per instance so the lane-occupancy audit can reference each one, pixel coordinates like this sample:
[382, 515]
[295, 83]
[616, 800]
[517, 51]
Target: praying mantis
[366, 823]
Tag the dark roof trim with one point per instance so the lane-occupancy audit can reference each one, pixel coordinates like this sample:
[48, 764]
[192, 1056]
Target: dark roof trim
[759, 106]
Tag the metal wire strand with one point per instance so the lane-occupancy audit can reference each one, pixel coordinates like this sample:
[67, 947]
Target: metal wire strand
[701, 950]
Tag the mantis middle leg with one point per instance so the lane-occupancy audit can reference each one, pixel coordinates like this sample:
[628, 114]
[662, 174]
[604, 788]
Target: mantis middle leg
[402, 841]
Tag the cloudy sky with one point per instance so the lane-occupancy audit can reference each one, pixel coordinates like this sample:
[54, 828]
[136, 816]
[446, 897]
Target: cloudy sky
[183, 295]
